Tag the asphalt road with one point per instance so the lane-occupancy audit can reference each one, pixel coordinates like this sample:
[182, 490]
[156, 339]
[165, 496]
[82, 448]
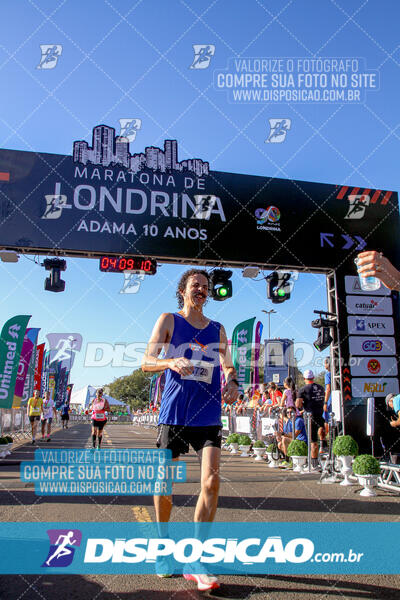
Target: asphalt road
[249, 491]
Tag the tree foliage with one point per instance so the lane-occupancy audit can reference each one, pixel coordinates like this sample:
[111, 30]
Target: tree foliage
[132, 389]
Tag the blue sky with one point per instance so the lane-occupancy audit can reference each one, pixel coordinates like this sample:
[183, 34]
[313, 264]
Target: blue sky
[131, 60]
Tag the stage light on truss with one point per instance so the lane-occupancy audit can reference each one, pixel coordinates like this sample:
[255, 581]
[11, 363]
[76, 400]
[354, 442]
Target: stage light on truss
[221, 286]
[279, 286]
[324, 338]
[54, 283]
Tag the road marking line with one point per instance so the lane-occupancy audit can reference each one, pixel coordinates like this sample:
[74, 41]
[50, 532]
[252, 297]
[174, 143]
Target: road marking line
[141, 514]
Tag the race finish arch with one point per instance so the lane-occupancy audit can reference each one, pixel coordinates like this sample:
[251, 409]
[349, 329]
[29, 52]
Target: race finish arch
[105, 200]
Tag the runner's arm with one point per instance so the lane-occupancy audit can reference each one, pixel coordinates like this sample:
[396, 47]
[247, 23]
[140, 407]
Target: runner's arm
[161, 335]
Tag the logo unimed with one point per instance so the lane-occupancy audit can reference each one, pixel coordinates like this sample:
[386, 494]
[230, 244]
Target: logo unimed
[63, 543]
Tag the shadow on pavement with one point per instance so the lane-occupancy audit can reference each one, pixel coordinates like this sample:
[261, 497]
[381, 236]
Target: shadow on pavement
[388, 508]
[141, 587]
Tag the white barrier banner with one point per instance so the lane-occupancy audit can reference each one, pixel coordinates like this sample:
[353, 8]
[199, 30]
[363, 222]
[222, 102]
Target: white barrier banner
[267, 426]
[243, 425]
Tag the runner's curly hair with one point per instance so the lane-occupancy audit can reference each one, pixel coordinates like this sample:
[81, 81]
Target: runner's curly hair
[183, 281]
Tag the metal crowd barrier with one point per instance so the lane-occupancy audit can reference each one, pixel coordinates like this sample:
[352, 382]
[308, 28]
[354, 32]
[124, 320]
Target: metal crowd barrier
[250, 422]
[15, 422]
[113, 419]
[147, 420]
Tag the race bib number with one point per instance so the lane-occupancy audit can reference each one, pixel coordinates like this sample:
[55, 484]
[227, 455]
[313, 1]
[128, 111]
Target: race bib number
[202, 371]
[99, 416]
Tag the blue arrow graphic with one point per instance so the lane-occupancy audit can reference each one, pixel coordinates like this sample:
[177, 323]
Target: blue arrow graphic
[324, 237]
[349, 242]
[362, 243]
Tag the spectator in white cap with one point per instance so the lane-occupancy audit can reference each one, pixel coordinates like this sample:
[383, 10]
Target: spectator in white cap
[311, 398]
[393, 402]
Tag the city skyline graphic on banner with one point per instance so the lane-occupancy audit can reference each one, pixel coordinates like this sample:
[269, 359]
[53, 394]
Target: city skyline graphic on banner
[111, 150]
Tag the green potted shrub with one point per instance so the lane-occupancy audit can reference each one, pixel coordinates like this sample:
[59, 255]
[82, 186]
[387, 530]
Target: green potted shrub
[298, 451]
[233, 441]
[273, 455]
[345, 445]
[259, 449]
[345, 448]
[244, 444]
[367, 469]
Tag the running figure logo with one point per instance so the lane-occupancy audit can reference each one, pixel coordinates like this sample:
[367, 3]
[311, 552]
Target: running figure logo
[132, 283]
[63, 346]
[357, 205]
[202, 56]
[62, 550]
[278, 130]
[50, 55]
[129, 128]
[54, 206]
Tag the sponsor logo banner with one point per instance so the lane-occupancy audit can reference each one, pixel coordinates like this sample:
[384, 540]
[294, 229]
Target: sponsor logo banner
[352, 285]
[11, 340]
[28, 346]
[372, 345]
[225, 422]
[382, 366]
[268, 426]
[374, 387]
[370, 325]
[248, 548]
[242, 338]
[369, 305]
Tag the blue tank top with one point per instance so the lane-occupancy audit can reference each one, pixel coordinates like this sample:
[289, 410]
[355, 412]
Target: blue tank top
[194, 400]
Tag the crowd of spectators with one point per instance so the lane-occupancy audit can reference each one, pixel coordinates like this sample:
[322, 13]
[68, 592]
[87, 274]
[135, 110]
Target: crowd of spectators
[265, 397]
[287, 406]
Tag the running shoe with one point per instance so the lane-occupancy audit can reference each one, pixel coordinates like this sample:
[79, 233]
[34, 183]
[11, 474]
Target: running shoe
[205, 581]
[33, 442]
[49, 439]
[316, 469]
[163, 568]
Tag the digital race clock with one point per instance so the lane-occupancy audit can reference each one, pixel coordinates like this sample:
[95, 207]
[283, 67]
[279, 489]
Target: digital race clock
[114, 264]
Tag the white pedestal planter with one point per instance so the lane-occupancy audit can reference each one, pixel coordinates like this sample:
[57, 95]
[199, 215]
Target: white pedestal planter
[9, 446]
[245, 450]
[346, 469]
[258, 453]
[273, 463]
[298, 463]
[234, 448]
[369, 482]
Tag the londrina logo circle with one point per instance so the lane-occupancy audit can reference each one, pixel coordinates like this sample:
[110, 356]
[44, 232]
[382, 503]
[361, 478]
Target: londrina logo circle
[271, 214]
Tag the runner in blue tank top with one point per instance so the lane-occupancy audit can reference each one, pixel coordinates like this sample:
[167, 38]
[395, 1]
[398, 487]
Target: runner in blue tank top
[195, 349]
